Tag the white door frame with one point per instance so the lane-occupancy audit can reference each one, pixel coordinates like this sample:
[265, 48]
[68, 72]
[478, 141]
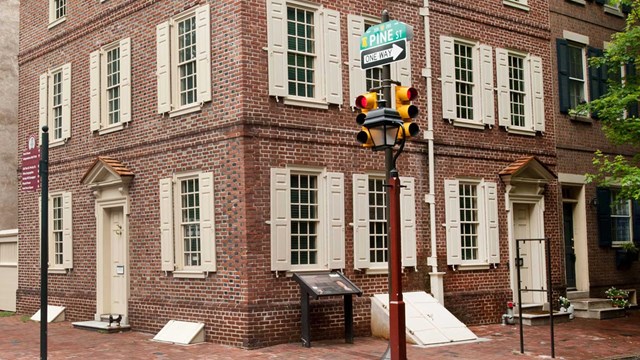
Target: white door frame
[105, 201]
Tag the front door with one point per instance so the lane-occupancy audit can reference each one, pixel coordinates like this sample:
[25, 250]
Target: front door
[116, 272]
[531, 253]
[569, 248]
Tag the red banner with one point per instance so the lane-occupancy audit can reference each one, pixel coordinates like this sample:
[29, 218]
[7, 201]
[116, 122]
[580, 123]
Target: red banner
[30, 166]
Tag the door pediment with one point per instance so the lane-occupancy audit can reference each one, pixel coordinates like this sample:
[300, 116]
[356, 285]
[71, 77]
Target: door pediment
[107, 171]
[527, 175]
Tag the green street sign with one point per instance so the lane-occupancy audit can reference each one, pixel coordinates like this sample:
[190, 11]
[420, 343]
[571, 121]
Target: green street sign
[385, 33]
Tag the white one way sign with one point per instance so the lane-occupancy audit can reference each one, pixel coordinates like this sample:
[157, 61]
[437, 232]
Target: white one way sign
[383, 54]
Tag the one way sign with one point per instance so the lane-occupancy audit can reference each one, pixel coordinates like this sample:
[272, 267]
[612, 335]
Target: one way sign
[383, 54]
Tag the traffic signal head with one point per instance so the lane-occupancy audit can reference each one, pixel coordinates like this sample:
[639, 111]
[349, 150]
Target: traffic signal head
[366, 102]
[364, 138]
[407, 111]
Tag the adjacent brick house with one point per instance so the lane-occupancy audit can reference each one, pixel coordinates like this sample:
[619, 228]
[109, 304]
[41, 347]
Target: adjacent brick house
[580, 30]
[194, 168]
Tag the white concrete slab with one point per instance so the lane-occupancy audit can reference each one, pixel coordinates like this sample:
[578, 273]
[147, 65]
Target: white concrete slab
[54, 314]
[181, 332]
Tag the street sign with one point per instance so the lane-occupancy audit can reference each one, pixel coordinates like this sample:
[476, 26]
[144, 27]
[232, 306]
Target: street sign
[385, 33]
[30, 162]
[383, 54]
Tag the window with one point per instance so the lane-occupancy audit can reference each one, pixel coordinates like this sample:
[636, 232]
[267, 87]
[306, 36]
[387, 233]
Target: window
[360, 81]
[110, 78]
[573, 71]
[471, 210]
[304, 54]
[57, 12]
[187, 225]
[520, 92]
[60, 232]
[467, 83]
[307, 219]
[618, 218]
[184, 62]
[518, 4]
[370, 223]
[55, 104]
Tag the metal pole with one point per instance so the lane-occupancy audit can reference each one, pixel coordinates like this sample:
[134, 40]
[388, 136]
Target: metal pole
[44, 239]
[519, 296]
[397, 336]
[550, 295]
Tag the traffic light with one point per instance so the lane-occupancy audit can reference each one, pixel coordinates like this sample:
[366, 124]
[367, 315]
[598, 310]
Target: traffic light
[407, 111]
[365, 102]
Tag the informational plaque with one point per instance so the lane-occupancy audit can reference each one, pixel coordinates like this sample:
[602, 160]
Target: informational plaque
[30, 165]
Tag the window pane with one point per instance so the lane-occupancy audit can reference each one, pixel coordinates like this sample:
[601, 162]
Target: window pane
[301, 44]
[304, 220]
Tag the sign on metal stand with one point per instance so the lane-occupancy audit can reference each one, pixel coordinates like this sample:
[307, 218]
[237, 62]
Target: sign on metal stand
[384, 43]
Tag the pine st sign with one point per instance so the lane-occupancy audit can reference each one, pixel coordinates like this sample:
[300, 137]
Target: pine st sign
[384, 43]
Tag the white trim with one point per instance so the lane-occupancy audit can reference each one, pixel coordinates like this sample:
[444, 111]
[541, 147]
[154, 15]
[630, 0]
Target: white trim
[575, 37]
[576, 179]
[581, 2]
[522, 4]
[613, 10]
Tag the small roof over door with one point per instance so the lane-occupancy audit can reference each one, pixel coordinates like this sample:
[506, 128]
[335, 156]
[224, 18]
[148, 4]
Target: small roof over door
[105, 171]
[527, 169]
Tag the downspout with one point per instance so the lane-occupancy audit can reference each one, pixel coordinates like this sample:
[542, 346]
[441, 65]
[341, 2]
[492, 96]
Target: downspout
[436, 277]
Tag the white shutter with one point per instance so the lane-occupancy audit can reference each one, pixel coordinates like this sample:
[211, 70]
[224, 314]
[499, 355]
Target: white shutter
[491, 211]
[502, 75]
[277, 43]
[163, 71]
[280, 220]
[448, 79]
[357, 76]
[67, 234]
[66, 101]
[125, 80]
[333, 56]
[335, 215]
[94, 91]
[528, 100]
[403, 69]
[486, 85]
[207, 222]
[203, 50]
[408, 221]
[166, 224]
[361, 221]
[43, 110]
[452, 211]
[537, 96]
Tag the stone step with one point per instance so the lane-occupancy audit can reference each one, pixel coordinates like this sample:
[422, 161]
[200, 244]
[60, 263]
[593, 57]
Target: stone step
[600, 314]
[531, 308]
[538, 318]
[591, 303]
[572, 295]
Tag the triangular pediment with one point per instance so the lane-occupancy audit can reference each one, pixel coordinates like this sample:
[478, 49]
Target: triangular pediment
[527, 169]
[107, 171]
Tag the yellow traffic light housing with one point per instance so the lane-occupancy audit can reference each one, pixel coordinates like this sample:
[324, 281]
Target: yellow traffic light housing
[407, 111]
[365, 103]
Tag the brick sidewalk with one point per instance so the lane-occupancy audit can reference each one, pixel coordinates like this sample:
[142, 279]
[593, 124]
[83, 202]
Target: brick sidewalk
[578, 339]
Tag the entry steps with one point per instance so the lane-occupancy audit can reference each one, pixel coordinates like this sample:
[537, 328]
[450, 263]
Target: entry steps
[538, 315]
[109, 323]
[594, 308]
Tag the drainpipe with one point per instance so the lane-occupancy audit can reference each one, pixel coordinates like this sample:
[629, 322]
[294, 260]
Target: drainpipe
[436, 277]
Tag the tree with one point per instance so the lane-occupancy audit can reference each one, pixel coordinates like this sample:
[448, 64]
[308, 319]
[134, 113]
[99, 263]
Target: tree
[617, 109]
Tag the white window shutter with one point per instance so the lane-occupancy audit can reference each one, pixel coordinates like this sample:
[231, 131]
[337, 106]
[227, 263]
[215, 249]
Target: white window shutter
[203, 50]
[486, 85]
[335, 215]
[502, 75]
[333, 56]
[537, 87]
[207, 222]
[43, 109]
[357, 76]
[447, 77]
[280, 220]
[163, 71]
[452, 213]
[166, 224]
[94, 91]
[408, 221]
[277, 43]
[361, 221]
[528, 101]
[66, 101]
[67, 233]
[491, 211]
[125, 80]
[403, 69]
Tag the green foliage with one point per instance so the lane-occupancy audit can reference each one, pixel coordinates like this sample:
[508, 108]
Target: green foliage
[622, 93]
[6, 313]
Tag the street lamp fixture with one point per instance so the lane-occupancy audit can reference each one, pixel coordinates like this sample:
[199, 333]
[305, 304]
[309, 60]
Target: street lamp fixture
[381, 127]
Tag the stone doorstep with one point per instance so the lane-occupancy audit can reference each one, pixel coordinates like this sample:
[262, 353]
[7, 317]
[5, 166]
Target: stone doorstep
[591, 303]
[577, 295]
[542, 318]
[600, 314]
[100, 326]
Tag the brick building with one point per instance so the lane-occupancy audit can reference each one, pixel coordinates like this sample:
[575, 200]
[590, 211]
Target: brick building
[202, 152]
[593, 228]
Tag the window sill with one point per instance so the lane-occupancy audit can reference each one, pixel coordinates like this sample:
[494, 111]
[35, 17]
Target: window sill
[467, 124]
[613, 11]
[111, 128]
[471, 267]
[580, 2]
[581, 118]
[57, 143]
[516, 4]
[186, 110]
[190, 274]
[57, 271]
[520, 131]
[56, 22]
[307, 272]
[312, 103]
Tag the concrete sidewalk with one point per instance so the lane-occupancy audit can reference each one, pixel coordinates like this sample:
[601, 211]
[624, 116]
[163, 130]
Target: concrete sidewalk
[578, 339]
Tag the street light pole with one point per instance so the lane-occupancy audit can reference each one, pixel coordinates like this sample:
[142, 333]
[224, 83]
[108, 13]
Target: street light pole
[44, 240]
